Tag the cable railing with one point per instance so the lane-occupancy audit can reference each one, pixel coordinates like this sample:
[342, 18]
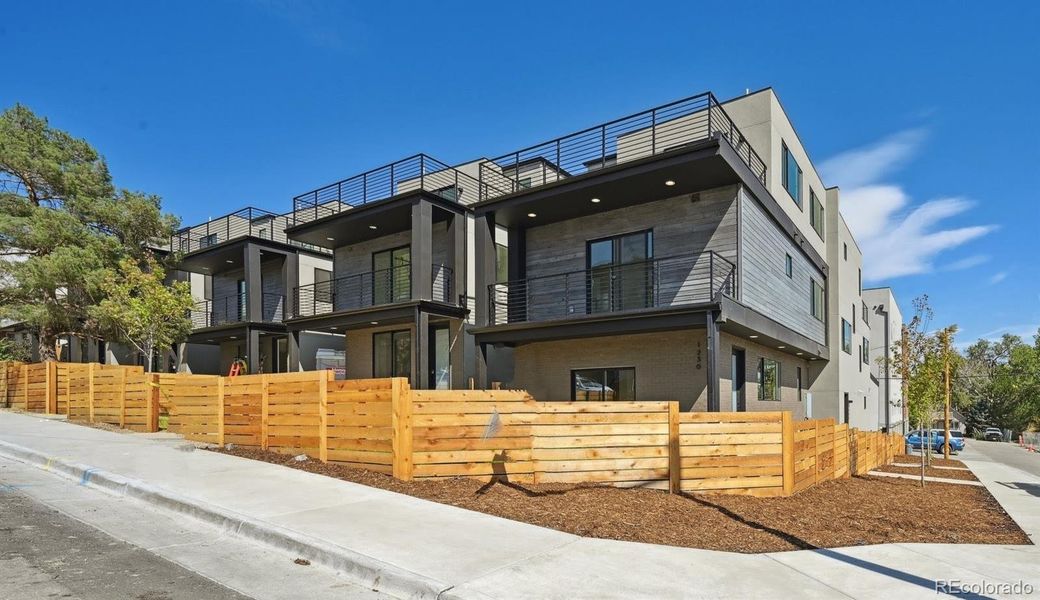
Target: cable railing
[365, 290]
[234, 309]
[247, 222]
[419, 172]
[654, 283]
[648, 133]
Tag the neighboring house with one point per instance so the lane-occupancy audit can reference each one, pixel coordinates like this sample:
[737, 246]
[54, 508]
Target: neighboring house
[888, 326]
[242, 270]
[957, 421]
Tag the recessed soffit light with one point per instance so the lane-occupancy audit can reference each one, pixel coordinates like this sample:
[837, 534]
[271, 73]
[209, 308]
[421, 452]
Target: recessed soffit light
[532, 215]
[669, 183]
[372, 227]
[595, 200]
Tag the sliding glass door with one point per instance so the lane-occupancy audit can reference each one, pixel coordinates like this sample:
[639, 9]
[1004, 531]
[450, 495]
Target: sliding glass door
[391, 276]
[620, 272]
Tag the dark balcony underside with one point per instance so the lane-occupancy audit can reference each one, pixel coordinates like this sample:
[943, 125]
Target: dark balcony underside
[375, 316]
[232, 332]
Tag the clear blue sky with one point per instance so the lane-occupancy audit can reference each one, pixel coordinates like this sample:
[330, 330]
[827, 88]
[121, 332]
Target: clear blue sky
[930, 108]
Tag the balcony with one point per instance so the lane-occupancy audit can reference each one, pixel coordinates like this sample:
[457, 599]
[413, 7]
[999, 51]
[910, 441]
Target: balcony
[651, 132]
[232, 309]
[419, 172]
[366, 290]
[638, 286]
[246, 223]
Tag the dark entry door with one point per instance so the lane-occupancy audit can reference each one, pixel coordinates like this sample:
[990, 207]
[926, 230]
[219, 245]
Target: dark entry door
[738, 375]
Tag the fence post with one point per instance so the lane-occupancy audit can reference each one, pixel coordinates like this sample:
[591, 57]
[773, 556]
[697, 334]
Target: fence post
[816, 451]
[52, 387]
[323, 415]
[25, 386]
[152, 425]
[90, 391]
[674, 449]
[788, 452]
[401, 421]
[68, 391]
[220, 410]
[122, 398]
[264, 411]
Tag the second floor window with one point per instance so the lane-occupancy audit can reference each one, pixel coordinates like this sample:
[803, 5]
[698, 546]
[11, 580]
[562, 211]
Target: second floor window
[816, 214]
[866, 351]
[846, 337]
[792, 176]
[788, 266]
[816, 302]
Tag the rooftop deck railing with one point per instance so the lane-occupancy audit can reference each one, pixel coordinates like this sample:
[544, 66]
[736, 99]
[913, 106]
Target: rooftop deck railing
[660, 129]
[364, 290]
[654, 283]
[419, 172]
[247, 222]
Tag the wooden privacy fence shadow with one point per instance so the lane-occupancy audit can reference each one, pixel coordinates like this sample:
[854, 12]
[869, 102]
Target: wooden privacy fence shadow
[383, 425]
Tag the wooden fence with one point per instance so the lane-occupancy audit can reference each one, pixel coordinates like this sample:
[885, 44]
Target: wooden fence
[383, 425]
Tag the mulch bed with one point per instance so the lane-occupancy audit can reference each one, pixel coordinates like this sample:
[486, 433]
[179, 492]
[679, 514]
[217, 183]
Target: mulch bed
[929, 472]
[936, 461]
[849, 512]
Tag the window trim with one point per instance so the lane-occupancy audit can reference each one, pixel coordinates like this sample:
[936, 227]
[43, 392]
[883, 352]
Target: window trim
[788, 266]
[846, 340]
[574, 394]
[817, 312]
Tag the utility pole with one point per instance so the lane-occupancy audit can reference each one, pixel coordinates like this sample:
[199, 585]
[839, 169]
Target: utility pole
[946, 408]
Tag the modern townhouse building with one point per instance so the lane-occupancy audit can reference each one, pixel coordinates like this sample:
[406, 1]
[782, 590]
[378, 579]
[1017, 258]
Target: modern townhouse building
[399, 290]
[888, 330]
[686, 252]
[242, 270]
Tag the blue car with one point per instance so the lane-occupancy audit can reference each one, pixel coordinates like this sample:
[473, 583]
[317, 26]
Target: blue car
[934, 438]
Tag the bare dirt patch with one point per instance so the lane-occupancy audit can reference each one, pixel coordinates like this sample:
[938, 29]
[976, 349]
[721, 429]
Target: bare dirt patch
[848, 512]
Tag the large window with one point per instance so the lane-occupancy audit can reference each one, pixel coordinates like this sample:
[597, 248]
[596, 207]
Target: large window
[816, 302]
[601, 385]
[392, 276]
[322, 285]
[620, 276]
[501, 263]
[768, 379]
[846, 336]
[816, 214]
[392, 354]
[792, 175]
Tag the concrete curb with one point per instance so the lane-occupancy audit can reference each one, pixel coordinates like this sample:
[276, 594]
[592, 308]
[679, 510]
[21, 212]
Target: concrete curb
[364, 569]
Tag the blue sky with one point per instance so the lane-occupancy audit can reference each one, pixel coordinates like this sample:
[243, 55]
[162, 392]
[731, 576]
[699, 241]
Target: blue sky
[925, 114]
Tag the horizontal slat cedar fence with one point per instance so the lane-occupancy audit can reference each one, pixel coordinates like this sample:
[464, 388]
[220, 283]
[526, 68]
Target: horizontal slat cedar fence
[383, 425]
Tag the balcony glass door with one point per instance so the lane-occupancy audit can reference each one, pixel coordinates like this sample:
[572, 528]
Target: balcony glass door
[620, 272]
[391, 275]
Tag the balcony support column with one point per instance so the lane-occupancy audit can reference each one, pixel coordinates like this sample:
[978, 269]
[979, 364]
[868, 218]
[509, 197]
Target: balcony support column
[291, 279]
[421, 351]
[456, 284]
[712, 329]
[254, 286]
[484, 265]
[422, 250]
[293, 347]
[253, 350]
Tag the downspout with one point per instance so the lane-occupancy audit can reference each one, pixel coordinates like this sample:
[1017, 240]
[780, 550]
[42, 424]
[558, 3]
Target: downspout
[888, 380]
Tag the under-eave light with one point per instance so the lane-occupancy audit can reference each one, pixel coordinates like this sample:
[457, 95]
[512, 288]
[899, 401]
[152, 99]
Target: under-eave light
[595, 200]
[372, 227]
[532, 215]
[669, 183]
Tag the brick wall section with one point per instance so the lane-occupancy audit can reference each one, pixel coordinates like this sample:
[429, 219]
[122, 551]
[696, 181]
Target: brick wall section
[666, 366]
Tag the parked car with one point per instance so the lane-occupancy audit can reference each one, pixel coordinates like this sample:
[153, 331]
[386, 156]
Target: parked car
[939, 436]
[993, 434]
[934, 439]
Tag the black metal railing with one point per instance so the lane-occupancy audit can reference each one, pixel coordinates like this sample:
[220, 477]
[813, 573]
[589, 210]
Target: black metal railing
[364, 290]
[235, 309]
[647, 133]
[419, 172]
[247, 222]
[654, 283]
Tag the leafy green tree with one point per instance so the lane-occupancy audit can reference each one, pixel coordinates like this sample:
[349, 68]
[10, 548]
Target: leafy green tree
[64, 227]
[12, 350]
[1000, 383]
[141, 310]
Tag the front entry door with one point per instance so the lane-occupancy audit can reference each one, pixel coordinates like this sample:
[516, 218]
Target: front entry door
[440, 357]
[737, 377]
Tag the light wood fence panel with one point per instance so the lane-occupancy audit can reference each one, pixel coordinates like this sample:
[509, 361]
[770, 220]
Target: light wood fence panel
[137, 400]
[243, 408]
[36, 387]
[621, 443]
[359, 423]
[293, 423]
[732, 453]
[841, 451]
[193, 403]
[472, 433]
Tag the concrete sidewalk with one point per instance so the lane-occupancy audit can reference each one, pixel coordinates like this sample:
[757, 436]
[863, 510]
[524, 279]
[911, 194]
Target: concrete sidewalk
[1017, 491]
[411, 547]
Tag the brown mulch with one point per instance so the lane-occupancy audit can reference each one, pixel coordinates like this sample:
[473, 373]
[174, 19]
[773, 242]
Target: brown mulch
[848, 512]
[929, 472]
[936, 461]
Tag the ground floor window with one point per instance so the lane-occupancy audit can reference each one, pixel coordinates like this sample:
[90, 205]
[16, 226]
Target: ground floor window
[392, 354]
[600, 385]
[768, 379]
